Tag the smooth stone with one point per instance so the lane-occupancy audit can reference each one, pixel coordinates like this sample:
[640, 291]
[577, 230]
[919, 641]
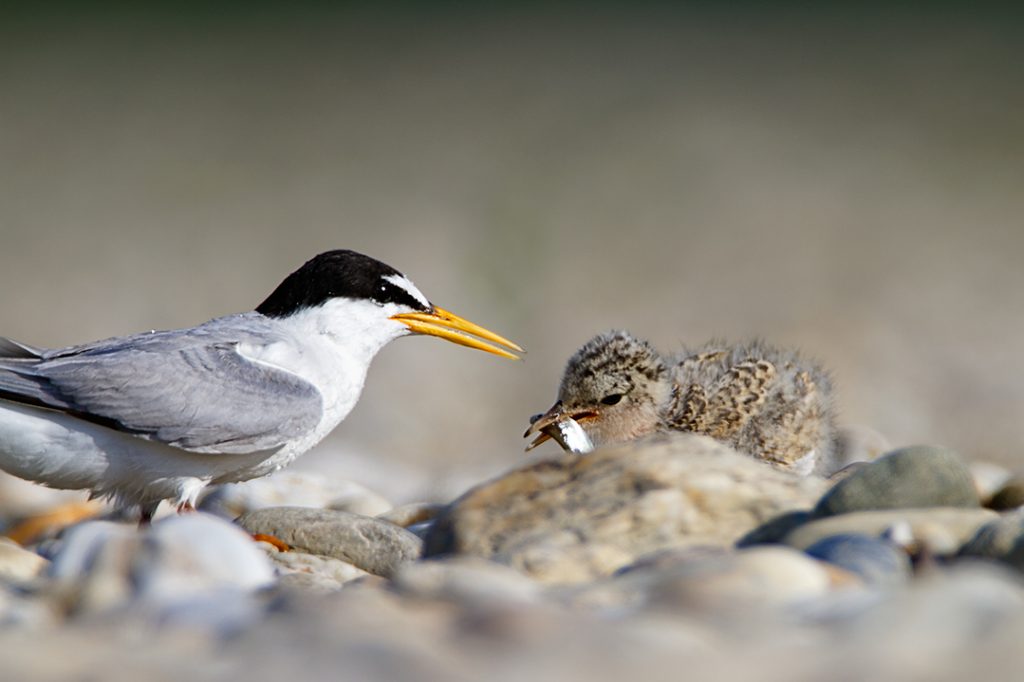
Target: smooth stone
[105, 564]
[845, 472]
[314, 583]
[18, 564]
[994, 539]
[93, 563]
[292, 489]
[412, 514]
[1009, 496]
[222, 613]
[575, 518]
[914, 477]
[728, 582]
[941, 530]
[952, 612]
[466, 580]
[775, 530]
[333, 571]
[877, 562]
[370, 544]
[197, 554]
[1001, 539]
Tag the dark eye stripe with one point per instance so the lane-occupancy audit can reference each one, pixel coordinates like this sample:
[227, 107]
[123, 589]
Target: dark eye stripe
[391, 293]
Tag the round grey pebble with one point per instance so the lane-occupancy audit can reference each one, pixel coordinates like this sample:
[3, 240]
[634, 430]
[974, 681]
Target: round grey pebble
[1002, 539]
[912, 477]
[179, 558]
[466, 580]
[877, 562]
[942, 530]
[292, 488]
[774, 530]
[373, 545]
[195, 555]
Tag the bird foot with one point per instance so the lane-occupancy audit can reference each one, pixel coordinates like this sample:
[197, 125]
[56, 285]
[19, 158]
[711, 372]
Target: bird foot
[280, 544]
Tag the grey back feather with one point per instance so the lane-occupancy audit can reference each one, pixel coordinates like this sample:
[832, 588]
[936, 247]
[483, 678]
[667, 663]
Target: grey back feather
[187, 388]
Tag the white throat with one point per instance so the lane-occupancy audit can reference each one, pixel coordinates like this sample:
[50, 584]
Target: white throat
[358, 328]
[331, 346]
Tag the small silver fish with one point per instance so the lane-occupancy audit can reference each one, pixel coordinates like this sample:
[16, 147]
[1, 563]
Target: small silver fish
[568, 433]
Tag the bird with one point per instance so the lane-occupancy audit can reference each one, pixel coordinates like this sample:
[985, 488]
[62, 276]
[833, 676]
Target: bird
[767, 402]
[161, 415]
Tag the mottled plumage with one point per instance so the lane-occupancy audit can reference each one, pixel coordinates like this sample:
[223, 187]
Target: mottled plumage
[764, 401]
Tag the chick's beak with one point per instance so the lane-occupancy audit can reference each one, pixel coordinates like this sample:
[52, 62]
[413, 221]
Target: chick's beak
[544, 424]
[451, 327]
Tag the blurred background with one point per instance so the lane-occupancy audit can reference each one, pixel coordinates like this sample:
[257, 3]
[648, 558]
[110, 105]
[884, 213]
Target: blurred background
[845, 180]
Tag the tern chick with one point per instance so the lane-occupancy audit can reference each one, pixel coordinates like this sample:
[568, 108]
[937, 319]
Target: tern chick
[161, 415]
[766, 402]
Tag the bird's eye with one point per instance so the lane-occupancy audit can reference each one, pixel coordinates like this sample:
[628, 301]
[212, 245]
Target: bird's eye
[612, 399]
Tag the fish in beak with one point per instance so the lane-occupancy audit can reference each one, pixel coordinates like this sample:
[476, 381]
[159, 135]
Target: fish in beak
[562, 426]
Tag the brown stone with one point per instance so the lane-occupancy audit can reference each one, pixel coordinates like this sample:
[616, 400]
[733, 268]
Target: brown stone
[575, 518]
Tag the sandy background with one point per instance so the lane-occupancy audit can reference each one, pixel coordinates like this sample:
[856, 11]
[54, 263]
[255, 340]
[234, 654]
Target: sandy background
[848, 182]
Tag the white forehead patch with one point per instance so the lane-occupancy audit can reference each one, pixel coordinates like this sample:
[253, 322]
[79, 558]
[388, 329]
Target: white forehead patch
[404, 283]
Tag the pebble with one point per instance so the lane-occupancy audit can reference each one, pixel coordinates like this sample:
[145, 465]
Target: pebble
[776, 529]
[1009, 496]
[942, 530]
[197, 554]
[573, 518]
[766, 576]
[105, 565]
[1001, 539]
[618, 564]
[18, 564]
[912, 477]
[93, 562]
[370, 544]
[879, 563]
[329, 571]
[222, 613]
[292, 489]
[466, 580]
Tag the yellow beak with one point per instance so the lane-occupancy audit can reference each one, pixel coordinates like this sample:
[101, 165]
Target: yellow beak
[453, 328]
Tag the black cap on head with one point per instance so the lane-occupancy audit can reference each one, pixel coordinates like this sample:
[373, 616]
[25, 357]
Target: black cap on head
[337, 274]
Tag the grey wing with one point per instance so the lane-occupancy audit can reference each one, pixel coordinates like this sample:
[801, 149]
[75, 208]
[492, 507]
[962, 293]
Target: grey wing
[11, 349]
[202, 398]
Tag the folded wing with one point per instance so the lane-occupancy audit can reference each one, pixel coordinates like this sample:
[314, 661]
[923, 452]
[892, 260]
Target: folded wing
[201, 396]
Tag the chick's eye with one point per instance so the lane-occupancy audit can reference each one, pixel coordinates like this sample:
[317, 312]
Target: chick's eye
[612, 399]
